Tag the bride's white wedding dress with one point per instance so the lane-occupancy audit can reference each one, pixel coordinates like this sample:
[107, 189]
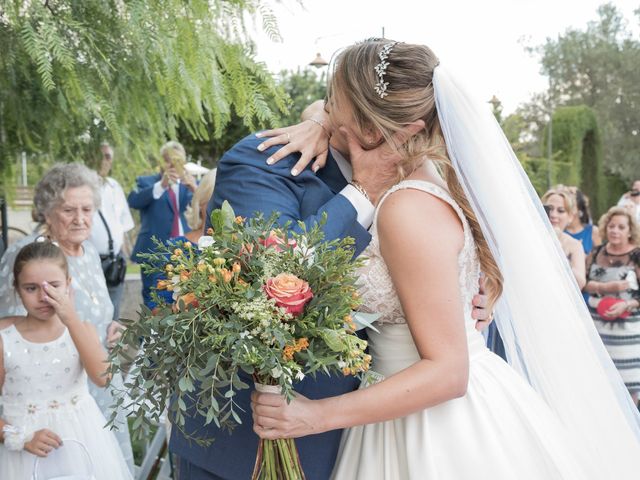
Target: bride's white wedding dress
[499, 430]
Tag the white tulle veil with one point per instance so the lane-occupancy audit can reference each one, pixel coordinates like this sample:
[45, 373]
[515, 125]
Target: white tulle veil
[547, 330]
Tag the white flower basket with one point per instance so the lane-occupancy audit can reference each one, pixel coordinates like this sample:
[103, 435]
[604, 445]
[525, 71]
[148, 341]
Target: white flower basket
[69, 462]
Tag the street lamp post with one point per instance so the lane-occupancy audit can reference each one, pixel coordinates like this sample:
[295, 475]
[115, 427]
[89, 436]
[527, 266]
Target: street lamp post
[318, 62]
[550, 149]
[496, 109]
[550, 133]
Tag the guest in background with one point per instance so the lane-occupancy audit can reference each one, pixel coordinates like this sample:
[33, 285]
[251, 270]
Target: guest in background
[581, 227]
[113, 219]
[631, 200]
[197, 211]
[613, 272]
[560, 205]
[195, 215]
[65, 200]
[162, 200]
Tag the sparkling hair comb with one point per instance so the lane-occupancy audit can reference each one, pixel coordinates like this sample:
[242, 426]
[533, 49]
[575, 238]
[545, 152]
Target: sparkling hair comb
[381, 69]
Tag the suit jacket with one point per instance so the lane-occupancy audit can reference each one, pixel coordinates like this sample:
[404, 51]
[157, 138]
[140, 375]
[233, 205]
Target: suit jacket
[250, 185]
[156, 215]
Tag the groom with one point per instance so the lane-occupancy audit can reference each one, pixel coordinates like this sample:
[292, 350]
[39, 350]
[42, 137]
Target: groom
[246, 181]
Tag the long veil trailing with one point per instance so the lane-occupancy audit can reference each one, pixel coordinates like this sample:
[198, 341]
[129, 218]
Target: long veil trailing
[548, 333]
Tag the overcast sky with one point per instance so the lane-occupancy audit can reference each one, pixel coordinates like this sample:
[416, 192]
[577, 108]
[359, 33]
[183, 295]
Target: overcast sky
[483, 39]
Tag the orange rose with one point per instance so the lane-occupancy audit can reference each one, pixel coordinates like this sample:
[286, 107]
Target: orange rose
[188, 299]
[289, 292]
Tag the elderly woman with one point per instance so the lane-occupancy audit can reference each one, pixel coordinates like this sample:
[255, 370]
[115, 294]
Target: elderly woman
[64, 202]
[612, 281]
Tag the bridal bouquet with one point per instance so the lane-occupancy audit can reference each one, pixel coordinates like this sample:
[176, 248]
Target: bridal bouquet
[251, 297]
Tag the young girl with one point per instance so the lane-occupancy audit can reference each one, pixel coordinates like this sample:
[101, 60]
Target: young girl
[45, 358]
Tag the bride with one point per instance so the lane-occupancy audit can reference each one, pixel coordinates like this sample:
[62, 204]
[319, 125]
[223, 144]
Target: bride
[448, 408]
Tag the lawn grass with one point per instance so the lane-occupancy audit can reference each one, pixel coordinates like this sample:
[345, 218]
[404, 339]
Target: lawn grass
[133, 268]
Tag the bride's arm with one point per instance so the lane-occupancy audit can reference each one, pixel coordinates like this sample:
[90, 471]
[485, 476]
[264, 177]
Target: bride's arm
[420, 238]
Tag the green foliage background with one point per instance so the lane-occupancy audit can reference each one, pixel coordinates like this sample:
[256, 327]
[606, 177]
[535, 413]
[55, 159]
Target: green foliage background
[75, 73]
[593, 68]
[578, 156]
[301, 87]
[137, 73]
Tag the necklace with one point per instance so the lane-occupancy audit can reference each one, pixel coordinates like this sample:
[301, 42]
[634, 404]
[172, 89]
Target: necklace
[614, 257]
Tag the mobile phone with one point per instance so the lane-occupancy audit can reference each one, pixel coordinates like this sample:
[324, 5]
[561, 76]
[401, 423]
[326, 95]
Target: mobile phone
[547, 209]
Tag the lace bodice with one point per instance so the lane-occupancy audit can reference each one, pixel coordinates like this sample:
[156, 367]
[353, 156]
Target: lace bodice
[376, 288]
[40, 377]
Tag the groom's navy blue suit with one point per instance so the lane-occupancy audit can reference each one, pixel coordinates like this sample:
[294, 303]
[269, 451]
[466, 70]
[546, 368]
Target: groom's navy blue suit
[250, 185]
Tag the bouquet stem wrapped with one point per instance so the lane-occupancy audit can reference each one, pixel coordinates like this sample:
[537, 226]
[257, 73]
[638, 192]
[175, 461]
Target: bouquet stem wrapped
[276, 459]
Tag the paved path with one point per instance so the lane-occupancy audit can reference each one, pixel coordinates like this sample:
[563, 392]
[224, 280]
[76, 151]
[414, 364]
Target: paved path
[132, 297]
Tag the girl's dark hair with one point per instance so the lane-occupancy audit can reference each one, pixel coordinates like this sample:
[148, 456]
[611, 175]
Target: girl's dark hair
[38, 250]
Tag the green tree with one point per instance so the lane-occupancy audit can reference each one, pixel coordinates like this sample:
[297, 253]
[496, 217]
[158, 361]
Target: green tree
[301, 87]
[598, 67]
[75, 72]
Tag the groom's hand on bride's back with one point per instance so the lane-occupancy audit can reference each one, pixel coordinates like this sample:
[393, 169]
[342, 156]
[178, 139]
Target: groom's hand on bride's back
[479, 311]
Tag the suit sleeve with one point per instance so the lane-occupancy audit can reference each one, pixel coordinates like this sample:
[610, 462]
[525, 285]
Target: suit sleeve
[251, 187]
[142, 196]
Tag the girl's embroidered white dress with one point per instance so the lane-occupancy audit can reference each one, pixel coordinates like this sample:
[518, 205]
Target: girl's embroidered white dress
[45, 386]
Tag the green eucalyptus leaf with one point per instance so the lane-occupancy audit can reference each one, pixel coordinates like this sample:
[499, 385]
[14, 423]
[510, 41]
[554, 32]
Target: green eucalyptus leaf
[332, 338]
[228, 214]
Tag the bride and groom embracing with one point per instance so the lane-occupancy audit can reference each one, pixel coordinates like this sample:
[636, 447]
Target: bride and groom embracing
[447, 407]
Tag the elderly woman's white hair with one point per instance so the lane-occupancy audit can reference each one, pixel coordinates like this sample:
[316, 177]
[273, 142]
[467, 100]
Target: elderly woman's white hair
[50, 189]
[200, 197]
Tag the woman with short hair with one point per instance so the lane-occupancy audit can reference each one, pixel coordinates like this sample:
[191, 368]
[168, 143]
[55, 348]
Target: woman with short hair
[612, 281]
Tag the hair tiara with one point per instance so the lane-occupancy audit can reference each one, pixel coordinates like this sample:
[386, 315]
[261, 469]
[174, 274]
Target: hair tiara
[381, 69]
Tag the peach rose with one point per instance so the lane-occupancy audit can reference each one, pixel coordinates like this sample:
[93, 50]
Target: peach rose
[246, 249]
[289, 292]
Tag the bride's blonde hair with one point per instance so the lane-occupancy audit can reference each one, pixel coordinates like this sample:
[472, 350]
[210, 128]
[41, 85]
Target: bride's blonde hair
[409, 97]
